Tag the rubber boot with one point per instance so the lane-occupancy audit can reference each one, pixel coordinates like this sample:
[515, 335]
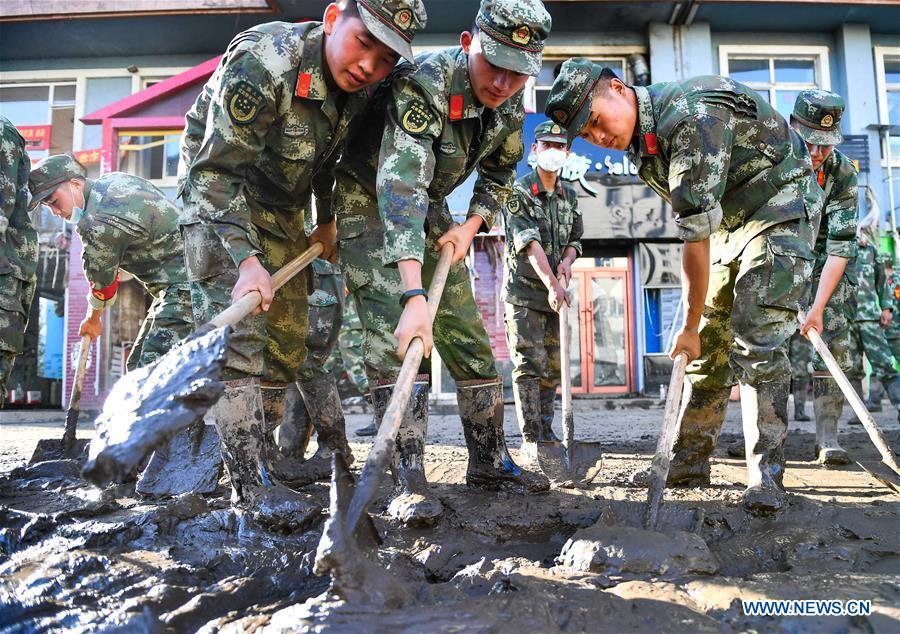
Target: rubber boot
[699, 423]
[527, 394]
[286, 455]
[764, 414]
[800, 388]
[548, 399]
[490, 465]
[413, 502]
[371, 429]
[828, 405]
[892, 387]
[241, 422]
[876, 395]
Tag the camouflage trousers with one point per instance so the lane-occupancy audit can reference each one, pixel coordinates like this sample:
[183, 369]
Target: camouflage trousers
[15, 305]
[348, 353]
[325, 307]
[750, 313]
[169, 320]
[533, 340]
[878, 351]
[459, 333]
[270, 345]
[839, 332]
[892, 333]
[802, 356]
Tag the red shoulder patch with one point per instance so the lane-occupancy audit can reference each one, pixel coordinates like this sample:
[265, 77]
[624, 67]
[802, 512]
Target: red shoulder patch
[650, 141]
[303, 80]
[456, 107]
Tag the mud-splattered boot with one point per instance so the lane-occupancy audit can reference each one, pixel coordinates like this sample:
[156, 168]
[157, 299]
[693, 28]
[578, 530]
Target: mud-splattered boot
[764, 413]
[413, 504]
[699, 423]
[892, 387]
[490, 465]
[286, 453]
[527, 394]
[548, 398]
[241, 425]
[876, 395]
[828, 405]
[800, 389]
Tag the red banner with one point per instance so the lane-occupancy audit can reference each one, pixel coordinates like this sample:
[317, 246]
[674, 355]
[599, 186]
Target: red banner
[87, 157]
[37, 137]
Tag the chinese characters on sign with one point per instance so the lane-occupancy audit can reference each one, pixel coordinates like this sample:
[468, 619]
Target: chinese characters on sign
[37, 137]
[88, 157]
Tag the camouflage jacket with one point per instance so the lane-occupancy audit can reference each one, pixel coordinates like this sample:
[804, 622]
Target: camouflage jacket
[893, 331]
[263, 135]
[18, 238]
[726, 161]
[873, 293]
[422, 137]
[837, 230]
[130, 224]
[550, 218]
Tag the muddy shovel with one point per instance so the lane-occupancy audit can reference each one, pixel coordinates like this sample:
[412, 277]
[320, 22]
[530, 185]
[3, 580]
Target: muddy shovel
[569, 463]
[150, 405]
[887, 472]
[68, 446]
[659, 468]
[349, 532]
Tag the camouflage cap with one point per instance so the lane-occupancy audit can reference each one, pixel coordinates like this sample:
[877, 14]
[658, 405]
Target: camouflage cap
[394, 22]
[569, 102]
[818, 116]
[47, 175]
[512, 33]
[552, 132]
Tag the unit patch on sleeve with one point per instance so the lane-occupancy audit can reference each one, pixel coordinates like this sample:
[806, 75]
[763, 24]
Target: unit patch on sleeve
[244, 102]
[416, 118]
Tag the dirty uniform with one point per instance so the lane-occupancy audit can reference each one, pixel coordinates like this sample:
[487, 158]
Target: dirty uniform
[874, 295]
[262, 137]
[893, 331]
[801, 355]
[532, 327]
[18, 249]
[422, 137]
[348, 353]
[325, 309]
[129, 224]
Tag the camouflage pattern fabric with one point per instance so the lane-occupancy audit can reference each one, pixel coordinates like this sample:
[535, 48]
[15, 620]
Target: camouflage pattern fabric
[893, 331]
[840, 332]
[169, 320]
[512, 33]
[348, 354]
[877, 350]
[550, 218]
[817, 114]
[421, 138]
[802, 356]
[325, 307]
[18, 249]
[874, 294]
[533, 340]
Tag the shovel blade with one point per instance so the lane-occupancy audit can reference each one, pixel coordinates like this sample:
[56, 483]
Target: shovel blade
[579, 465]
[52, 449]
[190, 463]
[884, 474]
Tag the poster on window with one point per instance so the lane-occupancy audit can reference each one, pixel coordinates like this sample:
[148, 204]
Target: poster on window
[37, 137]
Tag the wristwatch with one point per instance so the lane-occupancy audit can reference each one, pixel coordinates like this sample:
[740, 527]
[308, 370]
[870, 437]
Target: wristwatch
[412, 293]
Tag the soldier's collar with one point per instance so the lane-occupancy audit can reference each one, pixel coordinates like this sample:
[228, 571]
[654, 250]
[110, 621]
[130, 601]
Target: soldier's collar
[462, 99]
[646, 122]
[88, 187]
[536, 185]
[311, 73]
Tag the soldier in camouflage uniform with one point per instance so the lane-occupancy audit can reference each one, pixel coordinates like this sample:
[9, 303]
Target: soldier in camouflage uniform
[893, 331]
[543, 238]
[124, 223]
[18, 249]
[801, 354]
[262, 137]
[740, 185]
[816, 118]
[429, 127]
[874, 315]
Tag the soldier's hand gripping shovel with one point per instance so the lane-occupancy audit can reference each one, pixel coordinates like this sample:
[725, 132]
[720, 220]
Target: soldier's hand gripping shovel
[68, 446]
[659, 468]
[889, 476]
[149, 405]
[568, 463]
[349, 535]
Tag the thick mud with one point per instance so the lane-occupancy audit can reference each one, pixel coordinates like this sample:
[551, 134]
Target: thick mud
[75, 557]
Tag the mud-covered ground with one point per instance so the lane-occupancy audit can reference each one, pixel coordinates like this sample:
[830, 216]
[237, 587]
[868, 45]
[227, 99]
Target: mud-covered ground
[74, 557]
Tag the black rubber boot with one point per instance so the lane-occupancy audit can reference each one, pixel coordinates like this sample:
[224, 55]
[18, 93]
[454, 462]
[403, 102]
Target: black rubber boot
[286, 454]
[490, 465]
[527, 394]
[548, 399]
[764, 413]
[876, 395]
[800, 389]
[828, 405]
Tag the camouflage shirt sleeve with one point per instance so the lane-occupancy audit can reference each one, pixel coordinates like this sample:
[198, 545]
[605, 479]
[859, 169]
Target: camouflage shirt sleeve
[405, 169]
[496, 177]
[521, 225]
[699, 157]
[578, 224]
[841, 210]
[241, 111]
[105, 241]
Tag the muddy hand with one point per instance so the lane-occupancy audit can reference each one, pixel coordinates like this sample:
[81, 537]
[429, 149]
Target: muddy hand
[253, 277]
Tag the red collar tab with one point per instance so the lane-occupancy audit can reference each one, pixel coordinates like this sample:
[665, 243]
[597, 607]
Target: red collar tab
[456, 107]
[535, 189]
[820, 177]
[107, 293]
[650, 142]
[303, 80]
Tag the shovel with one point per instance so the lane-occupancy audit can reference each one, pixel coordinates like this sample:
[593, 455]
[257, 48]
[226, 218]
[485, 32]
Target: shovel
[345, 538]
[68, 446]
[889, 476]
[659, 468]
[152, 404]
[569, 463]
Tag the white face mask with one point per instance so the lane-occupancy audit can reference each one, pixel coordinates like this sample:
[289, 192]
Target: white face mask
[551, 159]
[77, 212]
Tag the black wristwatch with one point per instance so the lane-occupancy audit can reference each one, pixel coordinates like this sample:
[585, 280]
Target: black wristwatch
[412, 293]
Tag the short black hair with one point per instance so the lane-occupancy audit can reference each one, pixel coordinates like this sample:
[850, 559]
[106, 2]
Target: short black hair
[606, 76]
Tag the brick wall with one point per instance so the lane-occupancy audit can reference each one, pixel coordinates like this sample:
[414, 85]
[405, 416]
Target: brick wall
[76, 309]
[488, 285]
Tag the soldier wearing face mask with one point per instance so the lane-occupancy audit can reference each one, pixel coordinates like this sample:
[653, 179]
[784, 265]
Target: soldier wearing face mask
[543, 238]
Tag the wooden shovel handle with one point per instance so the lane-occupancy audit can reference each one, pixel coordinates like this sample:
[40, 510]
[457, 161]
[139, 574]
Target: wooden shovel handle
[68, 439]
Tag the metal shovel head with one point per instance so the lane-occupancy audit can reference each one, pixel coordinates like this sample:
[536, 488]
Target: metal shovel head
[190, 463]
[578, 465]
[52, 449]
[343, 487]
[881, 472]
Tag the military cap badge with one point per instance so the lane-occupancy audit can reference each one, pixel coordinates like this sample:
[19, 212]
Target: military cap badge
[403, 19]
[521, 35]
[827, 121]
[555, 129]
[560, 115]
